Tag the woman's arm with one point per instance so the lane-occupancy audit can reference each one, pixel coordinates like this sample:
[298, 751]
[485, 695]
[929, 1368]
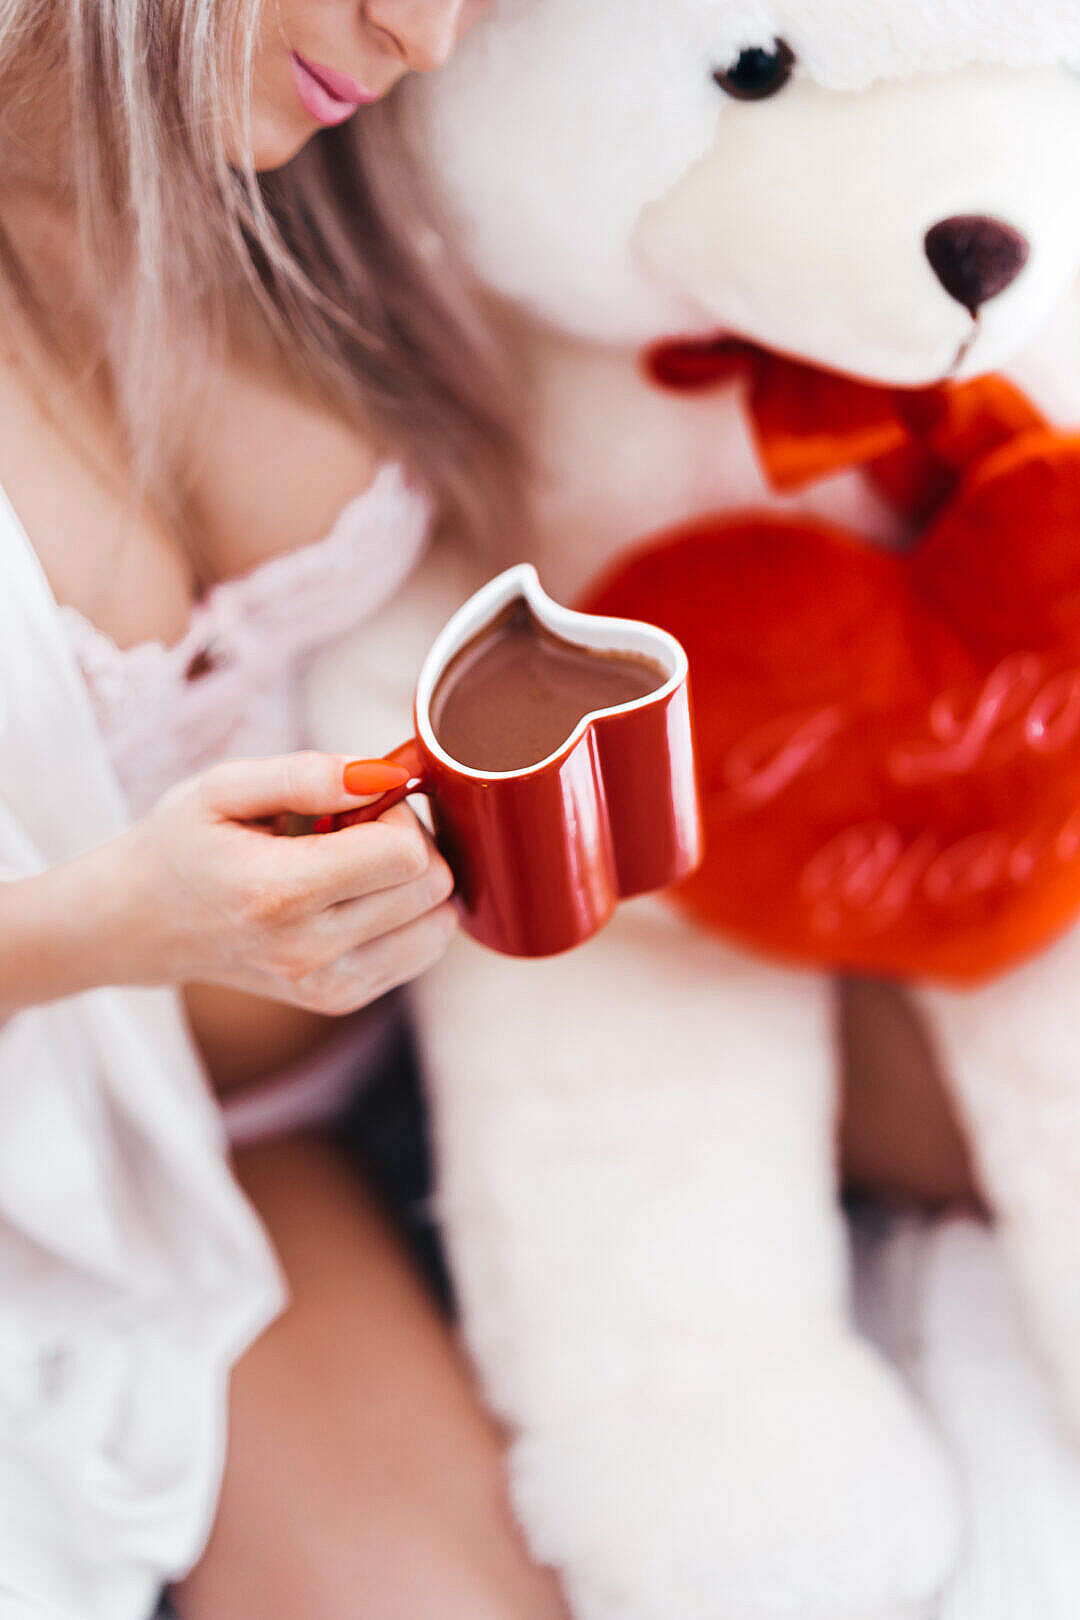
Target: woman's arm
[70, 928]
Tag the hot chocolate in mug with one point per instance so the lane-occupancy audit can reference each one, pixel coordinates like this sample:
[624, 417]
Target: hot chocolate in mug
[555, 749]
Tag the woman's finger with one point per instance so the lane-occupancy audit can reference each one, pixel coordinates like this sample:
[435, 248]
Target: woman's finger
[376, 968]
[358, 922]
[331, 868]
[342, 929]
[307, 784]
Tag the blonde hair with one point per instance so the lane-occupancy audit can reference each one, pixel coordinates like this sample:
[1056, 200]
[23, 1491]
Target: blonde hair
[337, 257]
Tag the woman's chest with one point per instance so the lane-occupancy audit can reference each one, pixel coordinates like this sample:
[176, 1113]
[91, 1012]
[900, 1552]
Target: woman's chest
[269, 474]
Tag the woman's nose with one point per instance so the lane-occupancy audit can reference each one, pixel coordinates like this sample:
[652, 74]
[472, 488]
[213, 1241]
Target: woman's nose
[424, 32]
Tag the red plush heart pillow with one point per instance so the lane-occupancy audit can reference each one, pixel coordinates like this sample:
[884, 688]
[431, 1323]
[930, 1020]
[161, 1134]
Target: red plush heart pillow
[889, 744]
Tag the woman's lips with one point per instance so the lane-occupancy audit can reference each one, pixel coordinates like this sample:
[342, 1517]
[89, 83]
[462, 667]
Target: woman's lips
[329, 97]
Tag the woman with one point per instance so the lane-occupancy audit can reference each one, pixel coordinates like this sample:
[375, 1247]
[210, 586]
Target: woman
[213, 344]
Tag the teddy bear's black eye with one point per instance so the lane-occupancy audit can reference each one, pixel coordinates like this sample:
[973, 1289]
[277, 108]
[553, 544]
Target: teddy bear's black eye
[758, 73]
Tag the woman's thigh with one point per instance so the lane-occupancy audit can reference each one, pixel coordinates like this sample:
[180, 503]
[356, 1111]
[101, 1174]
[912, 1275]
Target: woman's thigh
[899, 1136]
[364, 1481]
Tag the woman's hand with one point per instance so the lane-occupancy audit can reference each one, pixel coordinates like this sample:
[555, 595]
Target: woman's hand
[200, 892]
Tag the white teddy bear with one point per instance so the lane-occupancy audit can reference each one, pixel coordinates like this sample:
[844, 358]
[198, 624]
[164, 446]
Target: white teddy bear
[636, 1142]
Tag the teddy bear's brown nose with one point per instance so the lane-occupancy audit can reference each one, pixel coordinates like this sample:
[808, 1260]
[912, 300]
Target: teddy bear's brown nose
[976, 258]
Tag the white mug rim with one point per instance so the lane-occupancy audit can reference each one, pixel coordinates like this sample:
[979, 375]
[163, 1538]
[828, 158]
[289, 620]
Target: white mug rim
[598, 632]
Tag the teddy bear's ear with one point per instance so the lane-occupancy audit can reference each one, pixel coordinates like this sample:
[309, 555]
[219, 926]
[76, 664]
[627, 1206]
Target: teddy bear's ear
[848, 45]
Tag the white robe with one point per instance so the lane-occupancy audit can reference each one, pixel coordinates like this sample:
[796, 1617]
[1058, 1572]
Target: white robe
[132, 1271]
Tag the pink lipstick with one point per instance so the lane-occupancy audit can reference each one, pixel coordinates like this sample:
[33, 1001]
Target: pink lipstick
[330, 97]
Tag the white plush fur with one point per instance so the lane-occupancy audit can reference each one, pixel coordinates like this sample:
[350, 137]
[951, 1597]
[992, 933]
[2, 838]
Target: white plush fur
[636, 1143]
[936, 1295]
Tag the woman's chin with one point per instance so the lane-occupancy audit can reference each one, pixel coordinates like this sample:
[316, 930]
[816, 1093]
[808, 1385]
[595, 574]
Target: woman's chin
[275, 142]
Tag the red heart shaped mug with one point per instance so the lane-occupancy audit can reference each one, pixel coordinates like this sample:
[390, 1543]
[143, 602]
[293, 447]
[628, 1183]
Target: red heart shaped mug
[543, 853]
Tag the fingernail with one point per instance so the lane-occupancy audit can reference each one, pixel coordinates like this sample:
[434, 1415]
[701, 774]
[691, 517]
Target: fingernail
[369, 776]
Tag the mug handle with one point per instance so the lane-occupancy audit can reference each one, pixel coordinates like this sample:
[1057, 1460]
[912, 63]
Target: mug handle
[408, 756]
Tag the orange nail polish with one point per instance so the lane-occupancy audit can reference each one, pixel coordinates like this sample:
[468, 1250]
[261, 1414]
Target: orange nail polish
[368, 776]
